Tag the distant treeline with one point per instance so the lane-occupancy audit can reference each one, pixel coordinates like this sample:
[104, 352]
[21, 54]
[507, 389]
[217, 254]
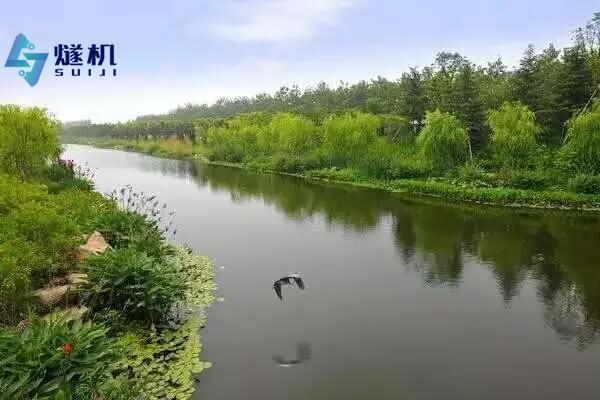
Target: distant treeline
[553, 83]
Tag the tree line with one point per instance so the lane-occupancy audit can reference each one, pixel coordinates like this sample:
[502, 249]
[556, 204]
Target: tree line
[553, 83]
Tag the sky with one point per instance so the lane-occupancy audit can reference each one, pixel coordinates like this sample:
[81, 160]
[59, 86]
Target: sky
[169, 53]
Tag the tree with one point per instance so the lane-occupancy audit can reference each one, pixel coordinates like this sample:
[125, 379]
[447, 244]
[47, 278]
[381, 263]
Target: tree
[443, 140]
[514, 134]
[28, 139]
[582, 148]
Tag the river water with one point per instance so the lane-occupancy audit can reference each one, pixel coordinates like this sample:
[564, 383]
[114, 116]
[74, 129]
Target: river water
[404, 298]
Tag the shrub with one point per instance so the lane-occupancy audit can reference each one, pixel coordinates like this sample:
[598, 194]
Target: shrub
[54, 356]
[533, 180]
[16, 301]
[385, 160]
[44, 239]
[582, 148]
[514, 134]
[296, 135]
[122, 229]
[59, 177]
[346, 137]
[142, 288]
[14, 194]
[443, 141]
[28, 139]
[586, 184]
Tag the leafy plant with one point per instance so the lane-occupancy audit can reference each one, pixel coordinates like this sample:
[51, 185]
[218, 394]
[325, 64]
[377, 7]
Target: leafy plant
[54, 358]
[142, 288]
[443, 140]
[28, 139]
[586, 184]
[514, 134]
[582, 147]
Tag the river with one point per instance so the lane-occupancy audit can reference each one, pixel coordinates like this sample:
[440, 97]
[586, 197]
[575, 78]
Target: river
[404, 298]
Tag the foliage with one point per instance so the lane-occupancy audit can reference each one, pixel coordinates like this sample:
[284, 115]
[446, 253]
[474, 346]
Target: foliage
[56, 356]
[142, 288]
[533, 180]
[582, 147]
[294, 134]
[129, 229]
[14, 194]
[65, 175]
[162, 366]
[514, 134]
[443, 140]
[44, 239]
[586, 184]
[346, 137]
[28, 139]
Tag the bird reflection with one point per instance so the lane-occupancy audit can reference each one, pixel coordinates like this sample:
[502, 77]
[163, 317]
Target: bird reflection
[287, 280]
[303, 354]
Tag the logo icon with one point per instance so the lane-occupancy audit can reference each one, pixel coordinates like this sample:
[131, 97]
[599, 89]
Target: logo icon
[38, 60]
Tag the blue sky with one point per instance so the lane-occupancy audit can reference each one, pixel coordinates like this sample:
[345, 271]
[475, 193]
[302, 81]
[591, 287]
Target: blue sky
[173, 52]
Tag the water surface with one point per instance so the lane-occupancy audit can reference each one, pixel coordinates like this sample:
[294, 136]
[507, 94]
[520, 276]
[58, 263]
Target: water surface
[405, 298]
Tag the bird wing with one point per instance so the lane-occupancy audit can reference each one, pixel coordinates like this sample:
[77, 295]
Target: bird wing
[299, 282]
[277, 288]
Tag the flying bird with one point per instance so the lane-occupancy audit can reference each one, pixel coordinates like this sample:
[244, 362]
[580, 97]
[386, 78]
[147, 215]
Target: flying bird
[289, 281]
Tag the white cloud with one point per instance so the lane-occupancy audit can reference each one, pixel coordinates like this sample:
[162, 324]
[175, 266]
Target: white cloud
[278, 20]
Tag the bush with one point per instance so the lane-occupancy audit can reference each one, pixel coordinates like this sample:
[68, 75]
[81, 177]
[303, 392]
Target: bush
[347, 137]
[532, 180]
[28, 139]
[295, 134]
[387, 161]
[129, 229]
[16, 301]
[514, 134]
[142, 288]
[585, 184]
[44, 239]
[14, 194]
[443, 141]
[582, 148]
[53, 357]
[60, 176]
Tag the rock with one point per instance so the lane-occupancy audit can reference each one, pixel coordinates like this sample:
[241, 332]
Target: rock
[54, 295]
[96, 244]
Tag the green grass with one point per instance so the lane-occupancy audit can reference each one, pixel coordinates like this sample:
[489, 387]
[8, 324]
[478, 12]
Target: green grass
[443, 188]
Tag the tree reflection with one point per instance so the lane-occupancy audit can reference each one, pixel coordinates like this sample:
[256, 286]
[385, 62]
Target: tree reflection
[557, 251]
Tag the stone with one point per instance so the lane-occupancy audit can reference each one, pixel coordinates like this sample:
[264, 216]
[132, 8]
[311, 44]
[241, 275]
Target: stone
[54, 295]
[95, 244]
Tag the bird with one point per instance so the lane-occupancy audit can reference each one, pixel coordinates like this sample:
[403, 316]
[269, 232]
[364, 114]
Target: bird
[287, 280]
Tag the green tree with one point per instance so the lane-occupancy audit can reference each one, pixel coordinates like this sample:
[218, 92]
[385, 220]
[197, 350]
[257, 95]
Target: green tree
[514, 134]
[443, 142]
[28, 139]
[582, 148]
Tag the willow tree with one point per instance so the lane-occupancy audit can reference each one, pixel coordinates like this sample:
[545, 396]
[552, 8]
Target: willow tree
[582, 147]
[28, 139]
[443, 142]
[514, 134]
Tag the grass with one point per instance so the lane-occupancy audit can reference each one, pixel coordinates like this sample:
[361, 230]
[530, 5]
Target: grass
[443, 188]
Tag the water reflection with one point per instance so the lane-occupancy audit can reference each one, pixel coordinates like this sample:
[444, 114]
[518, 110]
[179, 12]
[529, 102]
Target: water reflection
[303, 354]
[555, 251]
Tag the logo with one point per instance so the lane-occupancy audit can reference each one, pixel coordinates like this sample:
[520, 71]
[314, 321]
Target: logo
[72, 60]
[34, 61]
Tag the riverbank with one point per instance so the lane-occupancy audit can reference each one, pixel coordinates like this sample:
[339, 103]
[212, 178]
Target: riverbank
[95, 302]
[441, 188]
